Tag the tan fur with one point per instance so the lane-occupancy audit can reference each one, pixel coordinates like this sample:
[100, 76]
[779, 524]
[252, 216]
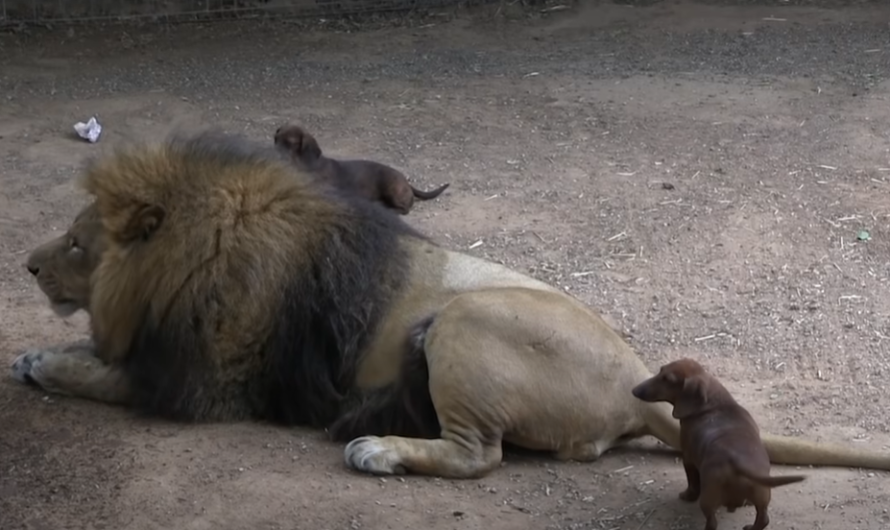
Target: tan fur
[510, 358]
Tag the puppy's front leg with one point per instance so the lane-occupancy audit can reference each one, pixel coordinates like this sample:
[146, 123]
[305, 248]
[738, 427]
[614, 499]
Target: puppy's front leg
[693, 483]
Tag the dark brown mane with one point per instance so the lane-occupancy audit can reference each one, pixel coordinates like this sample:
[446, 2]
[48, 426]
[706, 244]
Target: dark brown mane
[238, 234]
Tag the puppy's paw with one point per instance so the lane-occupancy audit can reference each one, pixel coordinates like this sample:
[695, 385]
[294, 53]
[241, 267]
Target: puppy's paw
[689, 495]
[370, 454]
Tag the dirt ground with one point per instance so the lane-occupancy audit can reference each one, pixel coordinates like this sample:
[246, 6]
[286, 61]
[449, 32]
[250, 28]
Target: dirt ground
[700, 172]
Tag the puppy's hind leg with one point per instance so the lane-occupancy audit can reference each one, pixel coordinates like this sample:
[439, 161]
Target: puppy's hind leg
[710, 502]
[761, 504]
[760, 522]
[399, 198]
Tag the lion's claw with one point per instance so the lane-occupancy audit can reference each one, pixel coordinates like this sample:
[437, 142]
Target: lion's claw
[369, 454]
[24, 364]
[30, 368]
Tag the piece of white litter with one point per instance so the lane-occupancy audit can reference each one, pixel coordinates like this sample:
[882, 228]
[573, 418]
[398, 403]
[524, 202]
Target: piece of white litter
[89, 131]
[476, 244]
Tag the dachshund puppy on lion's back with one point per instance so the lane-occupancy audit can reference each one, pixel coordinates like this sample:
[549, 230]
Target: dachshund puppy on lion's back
[725, 461]
[372, 180]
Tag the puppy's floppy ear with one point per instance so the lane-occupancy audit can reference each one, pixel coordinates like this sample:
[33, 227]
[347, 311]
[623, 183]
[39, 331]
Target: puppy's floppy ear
[693, 397]
[308, 148]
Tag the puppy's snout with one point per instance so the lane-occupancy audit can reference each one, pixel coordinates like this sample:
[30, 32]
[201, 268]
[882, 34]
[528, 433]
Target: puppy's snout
[639, 391]
[33, 269]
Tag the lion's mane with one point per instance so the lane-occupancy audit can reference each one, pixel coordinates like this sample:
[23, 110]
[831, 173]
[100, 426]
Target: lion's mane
[234, 285]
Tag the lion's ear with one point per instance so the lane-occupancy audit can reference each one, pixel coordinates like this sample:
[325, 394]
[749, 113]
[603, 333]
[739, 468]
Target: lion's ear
[144, 222]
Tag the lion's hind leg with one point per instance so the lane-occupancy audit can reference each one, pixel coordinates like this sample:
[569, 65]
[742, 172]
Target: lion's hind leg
[468, 446]
[532, 368]
[435, 436]
[72, 370]
[460, 453]
[586, 452]
[452, 456]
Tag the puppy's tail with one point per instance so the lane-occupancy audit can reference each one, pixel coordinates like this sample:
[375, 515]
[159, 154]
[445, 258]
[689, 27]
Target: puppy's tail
[765, 480]
[427, 195]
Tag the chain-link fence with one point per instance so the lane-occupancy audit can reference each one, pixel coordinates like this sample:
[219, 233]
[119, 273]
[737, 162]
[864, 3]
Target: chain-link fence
[71, 11]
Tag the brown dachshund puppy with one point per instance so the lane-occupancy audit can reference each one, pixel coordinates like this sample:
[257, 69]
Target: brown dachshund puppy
[725, 461]
[372, 180]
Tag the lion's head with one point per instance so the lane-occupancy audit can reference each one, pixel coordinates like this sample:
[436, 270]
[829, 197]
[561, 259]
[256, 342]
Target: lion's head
[63, 266]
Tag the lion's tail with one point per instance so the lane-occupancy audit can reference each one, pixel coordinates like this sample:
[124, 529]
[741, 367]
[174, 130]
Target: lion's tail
[403, 408]
[661, 424]
[783, 450]
[793, 451]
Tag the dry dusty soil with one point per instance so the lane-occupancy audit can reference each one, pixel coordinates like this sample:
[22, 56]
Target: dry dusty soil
[700, 172]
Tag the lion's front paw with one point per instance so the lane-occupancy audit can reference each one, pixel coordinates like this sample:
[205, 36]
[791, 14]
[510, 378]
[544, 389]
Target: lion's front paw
[21, 366]
[370, 454]
[28, 368]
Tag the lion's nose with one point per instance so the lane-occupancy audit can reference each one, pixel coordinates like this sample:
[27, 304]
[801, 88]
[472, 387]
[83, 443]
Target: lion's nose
[33, 269]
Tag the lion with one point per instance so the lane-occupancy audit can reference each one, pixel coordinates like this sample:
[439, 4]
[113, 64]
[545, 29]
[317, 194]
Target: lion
[234, 286]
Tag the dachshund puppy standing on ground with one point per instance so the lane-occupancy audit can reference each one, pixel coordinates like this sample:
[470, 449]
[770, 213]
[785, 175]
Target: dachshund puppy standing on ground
[725, 461]
[372, 180]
